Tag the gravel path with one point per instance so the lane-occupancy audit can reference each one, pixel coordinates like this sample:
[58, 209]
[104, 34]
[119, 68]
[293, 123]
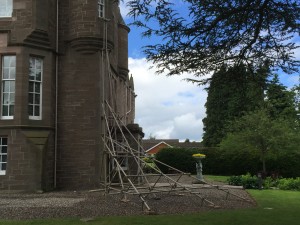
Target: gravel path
[91, 204]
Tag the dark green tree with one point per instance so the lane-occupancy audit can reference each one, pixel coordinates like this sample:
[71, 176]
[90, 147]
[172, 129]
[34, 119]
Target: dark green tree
[199, 36]
[232, 91]
[296, 90]
[280, 102]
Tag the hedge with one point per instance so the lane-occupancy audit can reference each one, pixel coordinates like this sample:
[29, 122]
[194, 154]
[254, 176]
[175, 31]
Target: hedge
[178, 158]
[218, 162]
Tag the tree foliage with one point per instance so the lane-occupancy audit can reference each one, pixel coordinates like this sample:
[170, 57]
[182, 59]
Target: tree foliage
[257, 132]
[232, 91]
[281, 102]
[199, 36]
[235, 90]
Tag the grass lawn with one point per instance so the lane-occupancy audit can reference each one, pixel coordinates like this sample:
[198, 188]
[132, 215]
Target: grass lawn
[274, 208]
[209, 178]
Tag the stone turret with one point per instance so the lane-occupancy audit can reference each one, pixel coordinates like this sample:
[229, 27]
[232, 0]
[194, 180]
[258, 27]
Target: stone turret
[57, 73]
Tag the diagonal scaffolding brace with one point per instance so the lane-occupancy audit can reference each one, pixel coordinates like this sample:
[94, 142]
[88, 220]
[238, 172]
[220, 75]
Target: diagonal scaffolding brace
[123, 180]
[123, 164]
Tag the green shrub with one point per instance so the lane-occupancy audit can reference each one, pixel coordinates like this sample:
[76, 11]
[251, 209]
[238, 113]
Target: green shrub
[269, 182]
[149, 168]
[289, 184]
[148, 159]
[252, 182]
[178, 158]
[235, 180]
[247, 181]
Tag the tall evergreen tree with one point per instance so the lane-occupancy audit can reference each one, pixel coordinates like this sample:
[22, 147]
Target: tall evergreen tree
[296, 90]
[233, 91]
[280, 102]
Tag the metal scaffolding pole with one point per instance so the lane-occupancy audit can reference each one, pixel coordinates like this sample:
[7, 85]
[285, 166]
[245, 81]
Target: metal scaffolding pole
[126, 179]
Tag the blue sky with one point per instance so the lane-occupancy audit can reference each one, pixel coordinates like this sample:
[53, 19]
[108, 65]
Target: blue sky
[168, 107]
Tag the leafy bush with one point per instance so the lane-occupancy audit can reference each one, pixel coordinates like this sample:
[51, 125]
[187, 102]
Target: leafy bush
[148, 160]
[149, 168]
[252, 182]
[235, 180]
[289, 184]
[247, 181]
[270, 182]
[149, 165]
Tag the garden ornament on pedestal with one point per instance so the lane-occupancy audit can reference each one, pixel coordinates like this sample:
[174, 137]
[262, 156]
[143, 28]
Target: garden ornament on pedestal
[199, 176]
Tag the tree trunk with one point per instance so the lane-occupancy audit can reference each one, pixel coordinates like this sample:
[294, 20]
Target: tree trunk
[264, 163]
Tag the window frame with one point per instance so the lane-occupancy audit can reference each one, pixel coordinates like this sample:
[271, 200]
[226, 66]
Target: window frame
[8, 9]
[3, 171]
[9, 92]
[101, 8]
[35, 93]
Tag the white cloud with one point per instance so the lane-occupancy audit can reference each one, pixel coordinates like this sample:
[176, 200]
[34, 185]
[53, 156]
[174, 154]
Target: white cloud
[167, 107]
[187, 125]
[123, 8]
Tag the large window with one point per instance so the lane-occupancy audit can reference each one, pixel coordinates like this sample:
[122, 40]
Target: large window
[3, 155]
[101, 8]
[6, 8]
[35, 88]
[8, 86]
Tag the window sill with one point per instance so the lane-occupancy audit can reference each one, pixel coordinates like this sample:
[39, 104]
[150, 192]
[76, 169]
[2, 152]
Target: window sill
[6, 18]
[35, 118]
[7, 118]
[2, 173]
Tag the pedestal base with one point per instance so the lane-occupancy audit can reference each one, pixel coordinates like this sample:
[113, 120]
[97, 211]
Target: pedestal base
[199, 182]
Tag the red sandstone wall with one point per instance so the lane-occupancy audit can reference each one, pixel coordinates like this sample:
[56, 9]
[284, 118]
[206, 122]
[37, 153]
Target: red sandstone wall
[30, 31]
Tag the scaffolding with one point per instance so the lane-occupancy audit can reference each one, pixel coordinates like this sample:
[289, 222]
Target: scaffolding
[124, 165]
[122, 179]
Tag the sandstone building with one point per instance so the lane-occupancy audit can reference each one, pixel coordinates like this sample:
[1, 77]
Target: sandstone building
[61, 60]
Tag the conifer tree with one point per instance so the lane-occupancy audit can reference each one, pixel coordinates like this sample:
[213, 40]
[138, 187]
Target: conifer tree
[232, 91]
[199, 36]
[280, 102]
